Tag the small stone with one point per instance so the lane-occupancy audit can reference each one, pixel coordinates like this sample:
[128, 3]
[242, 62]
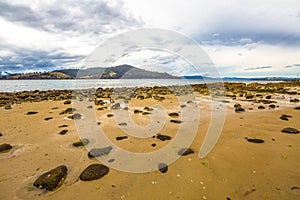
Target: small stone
[162, 167]
[63, 132]
[116, 106]
[237, 105]
[81, 142]
[31, 113]
[255, 140]
[163, 137]
[176, 121]
[109, 115]
[111, 160]
[123, 124]
[146, 113]
[67, 102]
[94, 172]
[98, 123]
[295, 188]
[173, 114]
[89, 107]
[153, 144]
[48, 118]
[185, 151]
[97, 152]
[7, 107]
[268, 96]
[261, 107]
[63, 126]
[148, 109]
[294, 100]
[272, 106]
[5, 147]
[239, 109]
[121, 137]
[1, 134]
[285, 117]
[290, 130]
[68, 111]
[297, 108]
[52, 179]
[137, 111]
[75, 116]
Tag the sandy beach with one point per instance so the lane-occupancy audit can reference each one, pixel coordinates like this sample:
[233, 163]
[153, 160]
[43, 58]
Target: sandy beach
[236, 168]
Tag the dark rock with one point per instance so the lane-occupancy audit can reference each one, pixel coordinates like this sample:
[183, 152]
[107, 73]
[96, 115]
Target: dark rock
[116, 106]
[297, 108]
[7, 107]
[121, 137]
[52, 179]
[97, 152]
[98, 123]
[63, 126]
[285, 117]
[294, 100]
[162, 167]
[109, 115]
[185, 151]
[63, 132]
[31, 113]
[153, 144]
[163, 137]
[173, 114]
[68, 102]
[1, 135]
[48, 118]
[239, 109]
[122, 124]
[81, 142]
[93, 172]
[261, 107]
[68, 111]
[290, 130]
[111, 160]
[148, 109]
[249, 96]
[268, 96]
[146, 113]
[295, 188]
[176, 121]
[137, 111]
[255, 140]
[89, 107]
[237, 105]
[272, 106]
[5, 147]
[75, 116]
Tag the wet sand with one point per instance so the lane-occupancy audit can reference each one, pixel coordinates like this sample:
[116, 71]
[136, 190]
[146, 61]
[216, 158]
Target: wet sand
[234, 169]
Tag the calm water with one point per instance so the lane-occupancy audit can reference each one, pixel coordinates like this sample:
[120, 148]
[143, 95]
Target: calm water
[26, 85]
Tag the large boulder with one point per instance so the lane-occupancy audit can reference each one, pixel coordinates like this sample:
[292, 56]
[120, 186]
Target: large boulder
[52, 179]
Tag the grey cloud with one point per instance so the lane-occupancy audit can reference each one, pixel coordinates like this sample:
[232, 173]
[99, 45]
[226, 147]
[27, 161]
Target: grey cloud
[257, 68]
[82, 17]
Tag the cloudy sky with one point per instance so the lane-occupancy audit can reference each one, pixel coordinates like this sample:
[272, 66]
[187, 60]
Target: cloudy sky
[242, 38]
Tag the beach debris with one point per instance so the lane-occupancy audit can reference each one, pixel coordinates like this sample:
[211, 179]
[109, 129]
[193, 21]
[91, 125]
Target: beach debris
[31, 113]
[97, 152]
[162, 167]
[121, 137]
[5, 147]
[173, 114]
[285, 117]
[176, 121]
[52, 179]
[290, 130]
[48, 118]
[81, 142]
[67, 102]
[185, 151]
[94, 172]
[255, 140]
[75, 116]
[63, 132]
[68, 111]
[163, 137]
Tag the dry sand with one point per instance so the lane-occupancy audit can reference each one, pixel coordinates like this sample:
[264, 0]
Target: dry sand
[234, 169]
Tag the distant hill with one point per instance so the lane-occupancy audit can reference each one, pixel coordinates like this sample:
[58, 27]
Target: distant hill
[117, 72]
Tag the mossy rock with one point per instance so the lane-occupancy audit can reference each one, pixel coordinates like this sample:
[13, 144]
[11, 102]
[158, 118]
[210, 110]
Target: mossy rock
[5, 148]
[94, 172]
